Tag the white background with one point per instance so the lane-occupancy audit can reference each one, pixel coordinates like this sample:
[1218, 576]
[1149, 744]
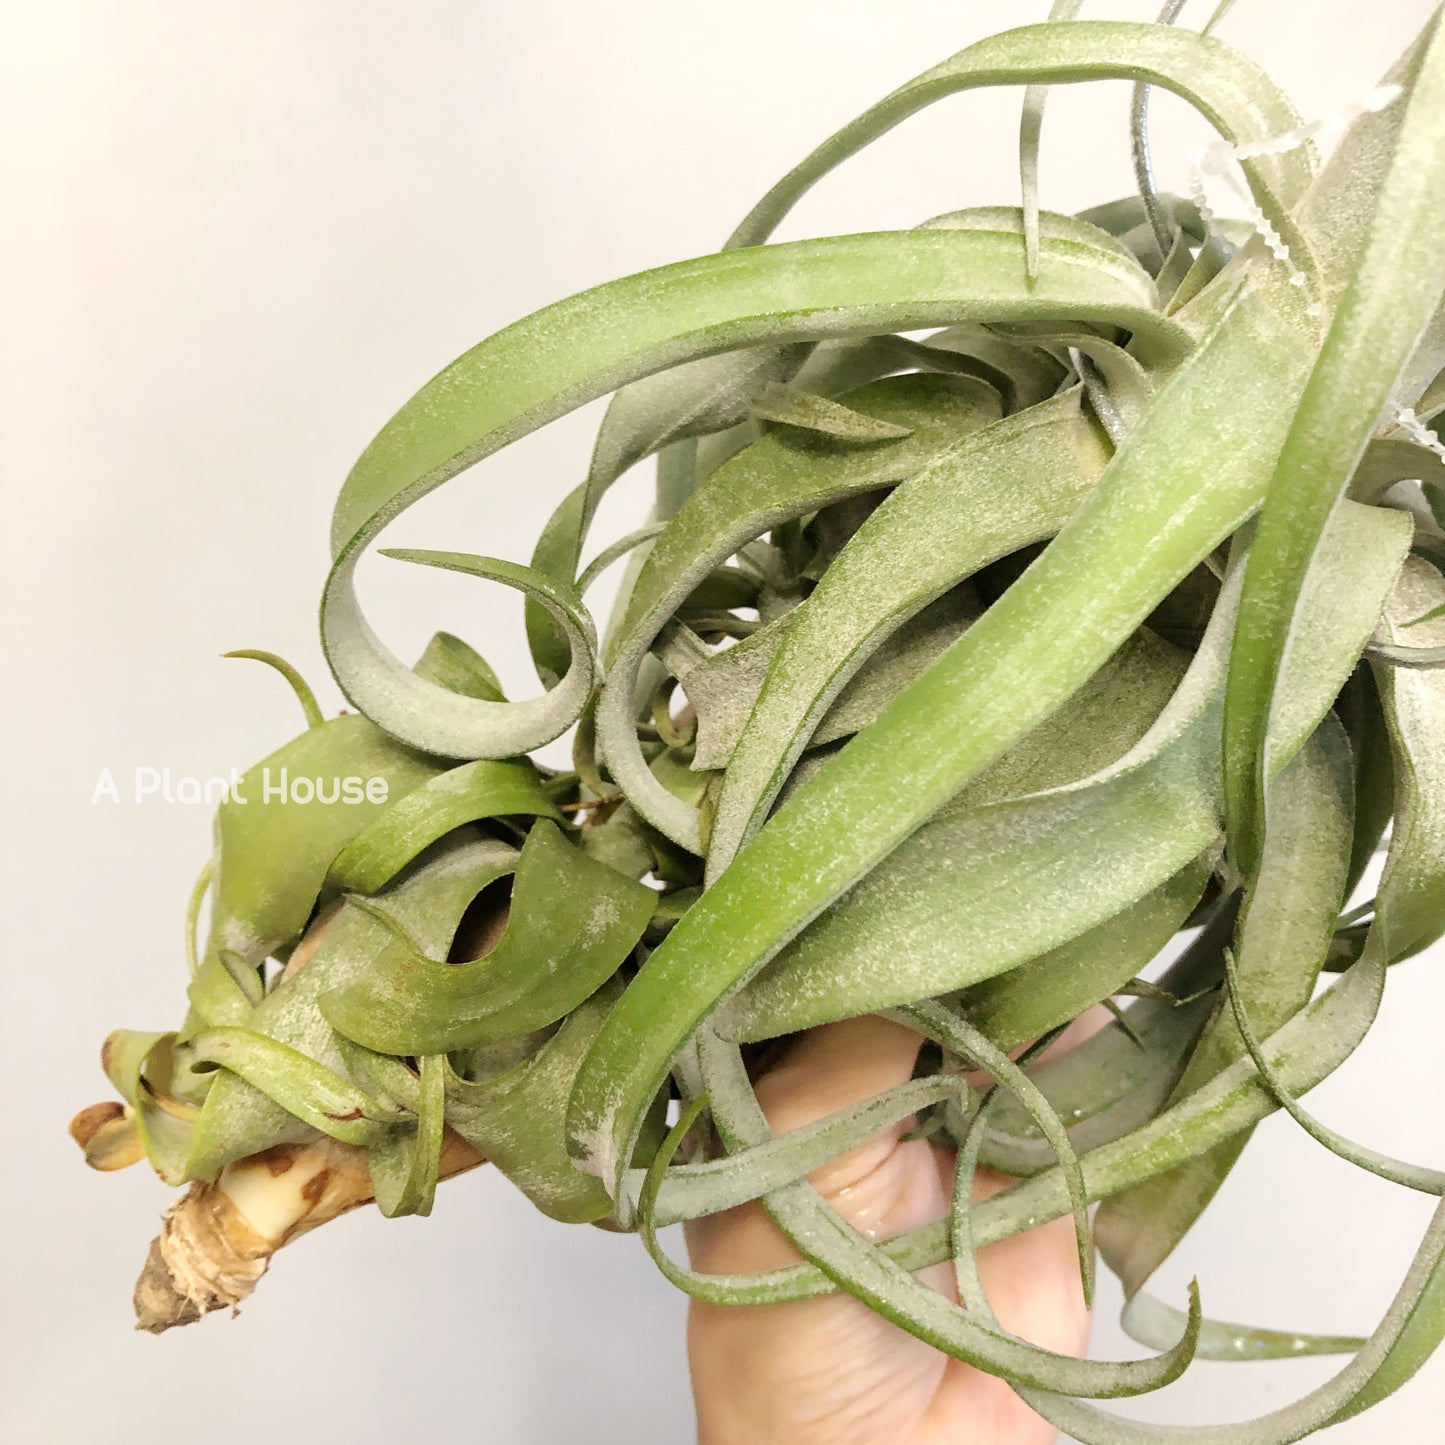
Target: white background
[236, 237]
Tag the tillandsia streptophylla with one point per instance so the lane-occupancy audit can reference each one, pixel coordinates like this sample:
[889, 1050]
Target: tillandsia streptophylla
[1021, 589]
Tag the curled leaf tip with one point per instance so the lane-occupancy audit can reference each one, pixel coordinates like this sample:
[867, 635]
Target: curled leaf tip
[309, 706]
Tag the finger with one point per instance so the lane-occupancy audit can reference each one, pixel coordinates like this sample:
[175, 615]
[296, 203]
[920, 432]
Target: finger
[818, 1369]
[824, 1070]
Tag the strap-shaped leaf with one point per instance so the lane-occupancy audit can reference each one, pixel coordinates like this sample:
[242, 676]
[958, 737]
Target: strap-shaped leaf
[239, 1118]
[897, 934]
[1337, 209]
[1284, 935]
[310, 708]
[1410, 910]
[655, 414]
[1147, 1320]
[1405, 1338]
[1227, 88]
[1030, 375]
[1119, 389]
[384, 1076]
[614, 550]
[967, 1279]
[565, 355]
[1151, 1322]
[723, 690]
[1396, 285]
[1031, 126]
[1425, 659]
[868, 1273]
[277, 811]
[1010, 484]
[1110, 1085]
[1187, 477]
[1410, 904]
[1021, 373]
[466, 794]
[964, 1040]
[1179, 262]
[1307, 1049]
[451, 663]
[546, 962]
[1128, 217]
[514, 1116]
[834, 367]
[314, 1094]
[404, 1163]
[459, 726]
[1360, 710]
[200, 890]
[1159, 222]
[784, 475]
[1230, 91]
[1388, 460]
[789, 406]
[691, 1191]
[1410, 1175]
[1047, 991]
[1054, 226]
[132, 1062]
[1150, 1038]
[707, 395]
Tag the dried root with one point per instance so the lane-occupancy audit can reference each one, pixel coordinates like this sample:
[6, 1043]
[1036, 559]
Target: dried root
[217, 1240]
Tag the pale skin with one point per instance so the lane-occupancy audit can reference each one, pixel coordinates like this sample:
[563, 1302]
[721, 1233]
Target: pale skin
[829, 1369]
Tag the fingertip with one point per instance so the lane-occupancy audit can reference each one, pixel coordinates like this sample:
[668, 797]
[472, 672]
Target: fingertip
[835, 1065]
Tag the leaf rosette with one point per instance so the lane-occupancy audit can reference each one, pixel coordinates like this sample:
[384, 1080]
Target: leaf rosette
[1021, 591]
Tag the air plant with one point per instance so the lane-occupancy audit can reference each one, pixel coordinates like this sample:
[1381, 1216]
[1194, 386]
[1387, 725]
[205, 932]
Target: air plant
[1021, 591]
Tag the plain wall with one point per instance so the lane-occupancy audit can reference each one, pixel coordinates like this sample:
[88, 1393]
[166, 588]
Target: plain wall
[236, 237]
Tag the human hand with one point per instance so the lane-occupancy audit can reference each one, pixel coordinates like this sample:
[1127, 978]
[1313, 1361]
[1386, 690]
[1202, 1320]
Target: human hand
[830, 1369]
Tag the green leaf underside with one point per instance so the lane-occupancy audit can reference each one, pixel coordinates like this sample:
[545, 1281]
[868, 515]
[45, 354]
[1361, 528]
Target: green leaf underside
[484, 789]
[1120, 1077]
[543, 966]
[1304, 1051]
[1228, 90]
[515, 1116]
[268, 816]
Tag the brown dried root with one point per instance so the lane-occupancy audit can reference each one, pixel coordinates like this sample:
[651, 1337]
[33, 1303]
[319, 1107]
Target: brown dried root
[218, 1238]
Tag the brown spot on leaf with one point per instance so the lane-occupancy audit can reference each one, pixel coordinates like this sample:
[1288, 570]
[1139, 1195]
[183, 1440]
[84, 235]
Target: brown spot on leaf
[301, 955]
[315, 1187]
[276, 1160]
[88, 1123]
